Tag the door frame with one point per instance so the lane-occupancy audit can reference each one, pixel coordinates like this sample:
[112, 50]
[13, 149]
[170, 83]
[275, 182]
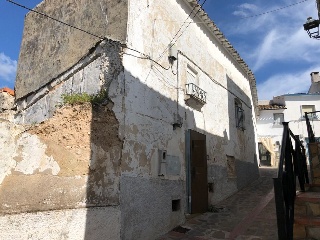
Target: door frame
[188, 166]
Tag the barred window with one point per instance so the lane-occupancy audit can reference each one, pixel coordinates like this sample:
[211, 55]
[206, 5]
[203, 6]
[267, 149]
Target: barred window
[239, 114]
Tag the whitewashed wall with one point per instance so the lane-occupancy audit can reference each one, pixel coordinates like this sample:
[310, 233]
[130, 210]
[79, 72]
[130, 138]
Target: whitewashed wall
[154, 97]
[292, 114]
[147, 100]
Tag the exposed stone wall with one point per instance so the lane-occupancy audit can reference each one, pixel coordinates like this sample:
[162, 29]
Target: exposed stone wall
[64, 166]
[70, 161]
[94, 72]
[50, 48]
[110, 155]
[6, 101]
[6, 105]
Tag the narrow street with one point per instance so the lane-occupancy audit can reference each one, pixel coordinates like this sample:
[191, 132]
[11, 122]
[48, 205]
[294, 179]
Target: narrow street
[247, 215]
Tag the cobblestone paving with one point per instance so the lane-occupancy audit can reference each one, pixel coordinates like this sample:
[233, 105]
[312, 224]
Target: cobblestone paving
[247, 215]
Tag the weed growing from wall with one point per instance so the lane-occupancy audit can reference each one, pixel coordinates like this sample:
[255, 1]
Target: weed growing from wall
[80, 98]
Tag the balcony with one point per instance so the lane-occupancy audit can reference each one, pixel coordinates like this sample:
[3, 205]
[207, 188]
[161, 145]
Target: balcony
[194, 91]
[195, 96]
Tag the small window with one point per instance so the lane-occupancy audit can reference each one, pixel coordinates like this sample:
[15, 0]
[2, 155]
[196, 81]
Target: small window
[192, 76]
[278, 118]
[308, 108]
[239, 114]
[175, 205]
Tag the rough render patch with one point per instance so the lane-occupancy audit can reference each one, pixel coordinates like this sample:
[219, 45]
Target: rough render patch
[92, 223]
[6, 101]
[89, 136]
[8, 134]
[48, 48]
[38, 192]
[97, 69]
[31, 156]
[79, 145]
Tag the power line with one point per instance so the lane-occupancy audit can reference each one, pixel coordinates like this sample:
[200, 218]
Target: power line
[189, 23]
[57, 20]
[257, 15]
[275, 10]
[145, 56]
[161, 55]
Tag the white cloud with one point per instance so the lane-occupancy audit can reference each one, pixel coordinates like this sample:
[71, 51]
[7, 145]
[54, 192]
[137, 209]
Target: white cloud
[245, 10]
[277, 37]
[271, 43]
[8, 68]
[280, 84]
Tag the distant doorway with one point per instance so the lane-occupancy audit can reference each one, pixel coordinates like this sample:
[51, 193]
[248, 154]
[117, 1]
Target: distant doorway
[197, 183]
[264, 155]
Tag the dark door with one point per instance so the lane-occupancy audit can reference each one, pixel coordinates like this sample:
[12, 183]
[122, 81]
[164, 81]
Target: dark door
[198, 173]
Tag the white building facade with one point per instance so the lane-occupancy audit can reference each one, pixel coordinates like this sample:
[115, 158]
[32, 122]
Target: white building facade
[176, 134]
[288, 108]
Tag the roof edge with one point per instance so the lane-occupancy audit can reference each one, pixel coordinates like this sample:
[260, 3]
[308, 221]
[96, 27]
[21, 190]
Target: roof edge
[227, 45]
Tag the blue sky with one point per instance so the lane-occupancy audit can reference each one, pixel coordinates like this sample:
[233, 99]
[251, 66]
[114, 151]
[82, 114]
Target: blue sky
[274, 45]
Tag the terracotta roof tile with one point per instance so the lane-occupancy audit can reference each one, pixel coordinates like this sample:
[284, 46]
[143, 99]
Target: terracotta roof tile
[8, 90]
[271, 107]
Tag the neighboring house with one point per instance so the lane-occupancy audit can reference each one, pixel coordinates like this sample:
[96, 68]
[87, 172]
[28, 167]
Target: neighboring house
[6, 103]
[176, 134]
[286, 108]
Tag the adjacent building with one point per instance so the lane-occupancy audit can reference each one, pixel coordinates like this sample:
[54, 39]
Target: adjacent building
[175, 132]
[287, 108]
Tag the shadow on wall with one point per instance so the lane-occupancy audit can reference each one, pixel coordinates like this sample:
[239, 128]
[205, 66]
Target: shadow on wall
[242, 131]
[124, 196]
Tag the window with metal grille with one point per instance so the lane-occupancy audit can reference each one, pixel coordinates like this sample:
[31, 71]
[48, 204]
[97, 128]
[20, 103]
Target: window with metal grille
[308, 108]
[239, 114]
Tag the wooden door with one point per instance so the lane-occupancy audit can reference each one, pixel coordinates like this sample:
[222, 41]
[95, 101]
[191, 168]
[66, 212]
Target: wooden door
[198, 173]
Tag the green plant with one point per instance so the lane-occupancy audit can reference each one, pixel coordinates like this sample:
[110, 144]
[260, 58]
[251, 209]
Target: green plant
[79, 98]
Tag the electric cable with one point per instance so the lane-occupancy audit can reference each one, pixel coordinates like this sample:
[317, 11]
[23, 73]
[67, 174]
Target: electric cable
[256, 15]
[87, 32]
[145, 56]
[57, 20]
[189, 22]
[164, 51]
[275, 10]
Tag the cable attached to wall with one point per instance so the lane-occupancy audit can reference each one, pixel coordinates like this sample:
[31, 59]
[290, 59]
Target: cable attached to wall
[215, 81]
[171, 42]
[57, 20]
[144, 56]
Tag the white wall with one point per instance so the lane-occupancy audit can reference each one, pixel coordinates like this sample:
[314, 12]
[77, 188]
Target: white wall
[292, 114]
[154, 96]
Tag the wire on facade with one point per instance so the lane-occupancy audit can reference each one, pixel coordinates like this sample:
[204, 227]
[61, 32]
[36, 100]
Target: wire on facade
[189, 23]
[94, 35]
[164, 51]
[145, 57]
[57, 20]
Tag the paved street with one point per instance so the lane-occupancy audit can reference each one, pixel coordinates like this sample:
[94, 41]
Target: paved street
[248, 215]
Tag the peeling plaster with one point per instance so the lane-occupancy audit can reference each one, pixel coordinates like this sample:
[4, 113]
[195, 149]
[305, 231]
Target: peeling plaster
[23, 153]
[34, 157]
